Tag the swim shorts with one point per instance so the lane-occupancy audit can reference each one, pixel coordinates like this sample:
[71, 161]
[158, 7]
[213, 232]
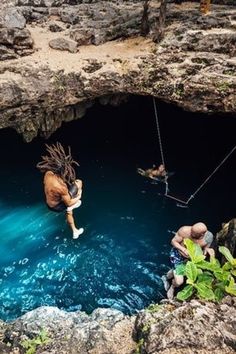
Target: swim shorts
[73, 190]
[176, 258]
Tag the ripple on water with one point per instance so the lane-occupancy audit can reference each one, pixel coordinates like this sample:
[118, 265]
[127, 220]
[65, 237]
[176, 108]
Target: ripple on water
[113, 269]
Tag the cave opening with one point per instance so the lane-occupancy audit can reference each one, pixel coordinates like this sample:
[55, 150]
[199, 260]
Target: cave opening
[119, 260]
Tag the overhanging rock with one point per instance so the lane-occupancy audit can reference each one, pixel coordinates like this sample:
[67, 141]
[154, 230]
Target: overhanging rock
[193, 66]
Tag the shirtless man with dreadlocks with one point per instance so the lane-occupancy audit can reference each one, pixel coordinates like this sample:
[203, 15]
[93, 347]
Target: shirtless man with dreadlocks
[62, 190]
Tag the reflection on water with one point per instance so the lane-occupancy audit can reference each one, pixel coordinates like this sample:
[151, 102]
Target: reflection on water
[119, 260]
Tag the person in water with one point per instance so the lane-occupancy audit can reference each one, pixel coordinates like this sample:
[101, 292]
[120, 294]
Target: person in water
[154, 172]
[199, 234]
[62, 190]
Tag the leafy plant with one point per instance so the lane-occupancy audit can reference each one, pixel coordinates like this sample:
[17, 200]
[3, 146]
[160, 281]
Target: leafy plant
[207, 279]
[31, 344]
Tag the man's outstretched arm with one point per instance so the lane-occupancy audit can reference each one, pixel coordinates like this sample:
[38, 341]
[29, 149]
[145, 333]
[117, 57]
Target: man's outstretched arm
[176, 242]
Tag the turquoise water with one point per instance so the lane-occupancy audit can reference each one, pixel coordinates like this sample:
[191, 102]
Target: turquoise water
[119, 260]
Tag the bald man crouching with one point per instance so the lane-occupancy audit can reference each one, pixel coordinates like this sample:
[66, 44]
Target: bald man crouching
[199, 234]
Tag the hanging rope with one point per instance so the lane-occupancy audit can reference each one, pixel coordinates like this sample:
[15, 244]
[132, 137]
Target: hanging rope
[158, 131]
[184, 202]
[160, 144]
[207, 179]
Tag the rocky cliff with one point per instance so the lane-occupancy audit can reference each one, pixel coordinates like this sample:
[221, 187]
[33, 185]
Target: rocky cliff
[167, 328]
[58, 56]
[171, 327]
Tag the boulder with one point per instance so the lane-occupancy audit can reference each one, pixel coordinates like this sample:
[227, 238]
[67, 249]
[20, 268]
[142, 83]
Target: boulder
[12, 18]
[64, 44]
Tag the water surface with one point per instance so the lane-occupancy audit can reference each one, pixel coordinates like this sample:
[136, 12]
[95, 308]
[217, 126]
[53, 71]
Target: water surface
[119, 260]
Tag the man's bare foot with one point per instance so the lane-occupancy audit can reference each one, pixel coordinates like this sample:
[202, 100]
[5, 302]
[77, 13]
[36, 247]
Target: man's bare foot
[77, 233]
[170, 293]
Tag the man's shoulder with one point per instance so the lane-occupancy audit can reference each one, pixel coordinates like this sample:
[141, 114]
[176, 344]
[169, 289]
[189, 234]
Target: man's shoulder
[56, 183]
[184, 231]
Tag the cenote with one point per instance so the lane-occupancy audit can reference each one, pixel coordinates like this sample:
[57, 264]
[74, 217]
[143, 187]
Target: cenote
[119, 260]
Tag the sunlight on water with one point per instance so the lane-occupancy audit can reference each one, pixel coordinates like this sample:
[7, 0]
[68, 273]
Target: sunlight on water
[119, 260]
[42, 265]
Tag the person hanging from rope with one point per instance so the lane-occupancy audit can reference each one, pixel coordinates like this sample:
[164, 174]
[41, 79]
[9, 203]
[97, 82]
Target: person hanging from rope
[156, 173]
[62, 190]
[199, 234]
[180, 202]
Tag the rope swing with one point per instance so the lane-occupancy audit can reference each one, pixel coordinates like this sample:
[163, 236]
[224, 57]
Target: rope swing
[184, 203]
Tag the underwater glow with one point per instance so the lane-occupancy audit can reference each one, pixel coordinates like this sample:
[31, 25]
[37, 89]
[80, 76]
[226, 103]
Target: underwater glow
[113, 265]
[119, 260]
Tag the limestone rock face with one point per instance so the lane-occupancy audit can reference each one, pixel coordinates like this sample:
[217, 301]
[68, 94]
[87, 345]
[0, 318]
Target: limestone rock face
[102, 20]
[193, 66]
[104, 331]
[12, 18]
[194, 327]
[171, 327]
[15, 39]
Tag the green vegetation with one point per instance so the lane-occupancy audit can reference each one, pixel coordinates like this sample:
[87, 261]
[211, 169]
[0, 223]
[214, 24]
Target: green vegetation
[154, 308]
[31, 344]
[207, 280]
[224, 86]
[179, 90]
[146, 328]
[59, 82]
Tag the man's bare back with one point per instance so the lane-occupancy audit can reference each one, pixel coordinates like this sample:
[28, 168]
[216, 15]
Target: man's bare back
[54, 189]
[198, 233]
[62, 190]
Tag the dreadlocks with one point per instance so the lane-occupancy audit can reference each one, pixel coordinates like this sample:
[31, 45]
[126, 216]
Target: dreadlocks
[59, 163]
